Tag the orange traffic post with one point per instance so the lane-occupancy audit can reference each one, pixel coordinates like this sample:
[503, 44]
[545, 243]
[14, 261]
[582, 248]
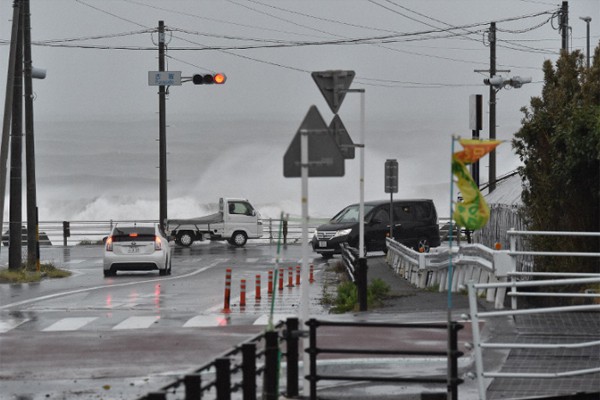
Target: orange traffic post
[243, 293]
[280, 278]
[311, 279]
[226, 308]
[290, 276]
[298, 275]
[270, 283]
[257, 287]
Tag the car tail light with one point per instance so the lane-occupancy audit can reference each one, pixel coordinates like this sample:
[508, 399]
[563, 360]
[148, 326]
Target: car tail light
[109, 243]
[157, 243]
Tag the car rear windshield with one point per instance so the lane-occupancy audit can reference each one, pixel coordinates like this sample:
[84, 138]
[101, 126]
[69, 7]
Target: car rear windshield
[128, 234]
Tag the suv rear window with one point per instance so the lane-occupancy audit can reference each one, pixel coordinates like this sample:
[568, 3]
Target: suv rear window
[128, 234]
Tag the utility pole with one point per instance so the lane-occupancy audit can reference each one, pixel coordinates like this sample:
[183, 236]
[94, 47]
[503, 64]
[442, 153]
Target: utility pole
[16, 150]
[492, 168]
[587, 21]
[564, 25]
[10, 75]
[162, 135]
[33, 256]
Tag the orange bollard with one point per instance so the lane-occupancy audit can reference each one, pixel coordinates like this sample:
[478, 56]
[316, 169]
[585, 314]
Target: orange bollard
[280, 278]
[270, 283]
[311, 279]
[298, 275]
[226, 308]
[257, 288]
[290, 276]
[243, 293]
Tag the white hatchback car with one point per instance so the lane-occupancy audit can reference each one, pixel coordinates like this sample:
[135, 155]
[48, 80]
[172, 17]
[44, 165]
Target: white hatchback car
[133, 247]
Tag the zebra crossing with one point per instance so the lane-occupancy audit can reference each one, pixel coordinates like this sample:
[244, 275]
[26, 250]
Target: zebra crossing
[136, 322]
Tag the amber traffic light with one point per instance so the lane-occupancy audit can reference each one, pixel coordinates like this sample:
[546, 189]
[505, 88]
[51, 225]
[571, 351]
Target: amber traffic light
[209, 79]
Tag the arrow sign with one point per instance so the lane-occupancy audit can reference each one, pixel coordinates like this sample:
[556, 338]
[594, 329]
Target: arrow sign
[324, 155]
[333, 86]
[342, 138]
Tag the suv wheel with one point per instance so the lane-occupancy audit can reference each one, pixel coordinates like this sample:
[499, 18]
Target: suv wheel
[423, 245]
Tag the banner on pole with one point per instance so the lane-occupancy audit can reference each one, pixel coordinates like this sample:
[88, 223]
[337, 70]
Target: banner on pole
[472, 212]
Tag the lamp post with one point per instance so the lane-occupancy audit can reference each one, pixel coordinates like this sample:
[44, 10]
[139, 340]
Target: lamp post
[587, 22]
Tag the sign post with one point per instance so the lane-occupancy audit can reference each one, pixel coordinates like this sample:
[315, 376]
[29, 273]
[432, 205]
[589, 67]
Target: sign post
[391, 187]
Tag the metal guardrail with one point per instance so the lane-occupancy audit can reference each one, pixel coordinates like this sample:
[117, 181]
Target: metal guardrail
[70, 233]
[356, 268]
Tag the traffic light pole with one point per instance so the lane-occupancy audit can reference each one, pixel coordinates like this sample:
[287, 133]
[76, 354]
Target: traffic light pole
[162, 136]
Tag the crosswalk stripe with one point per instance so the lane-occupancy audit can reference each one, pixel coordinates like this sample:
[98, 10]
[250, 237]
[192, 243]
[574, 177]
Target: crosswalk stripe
[137, 323]
[205, 321]
[6, 326]
[69, 324]
[264, 319]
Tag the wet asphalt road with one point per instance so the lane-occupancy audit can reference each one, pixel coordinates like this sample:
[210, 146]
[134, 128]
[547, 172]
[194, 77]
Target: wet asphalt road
[87, 336]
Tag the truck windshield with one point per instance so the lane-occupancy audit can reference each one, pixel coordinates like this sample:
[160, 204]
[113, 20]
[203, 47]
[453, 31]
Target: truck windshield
[349, 214]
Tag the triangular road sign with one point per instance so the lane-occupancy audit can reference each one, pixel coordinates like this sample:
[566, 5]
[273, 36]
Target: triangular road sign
[324, 155]
[333, 86]
[342, 138]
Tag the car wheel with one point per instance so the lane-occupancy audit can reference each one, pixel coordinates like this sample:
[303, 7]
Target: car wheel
[108, 272]
[423, 245]
[239, 239]
[162, 272]
[170, 267]
[185, 238]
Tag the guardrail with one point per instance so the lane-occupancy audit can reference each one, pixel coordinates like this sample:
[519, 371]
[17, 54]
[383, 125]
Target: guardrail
[356, 268]
[70, 233]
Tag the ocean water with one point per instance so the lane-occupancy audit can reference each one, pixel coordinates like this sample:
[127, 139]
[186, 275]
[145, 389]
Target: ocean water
[105, 169]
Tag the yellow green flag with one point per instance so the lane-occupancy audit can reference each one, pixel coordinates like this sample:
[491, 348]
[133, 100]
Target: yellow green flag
[472, 212]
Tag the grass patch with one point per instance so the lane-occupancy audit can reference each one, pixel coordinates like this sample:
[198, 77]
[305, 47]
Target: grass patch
[347, 296]
[28, 274]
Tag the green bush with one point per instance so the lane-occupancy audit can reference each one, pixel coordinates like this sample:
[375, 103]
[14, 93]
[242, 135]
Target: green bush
[347, 296]
[29, 273]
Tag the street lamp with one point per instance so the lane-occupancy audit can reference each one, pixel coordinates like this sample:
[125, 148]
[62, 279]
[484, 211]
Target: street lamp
[587, 22]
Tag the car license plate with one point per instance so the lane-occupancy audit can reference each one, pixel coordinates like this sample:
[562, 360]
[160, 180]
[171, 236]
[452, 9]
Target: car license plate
[322, 243]
[133, 249]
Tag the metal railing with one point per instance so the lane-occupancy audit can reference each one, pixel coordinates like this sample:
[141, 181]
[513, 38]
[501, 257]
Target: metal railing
[237, 370]
[356, 268]
[451, 380]
[69, 233]
[515, 286]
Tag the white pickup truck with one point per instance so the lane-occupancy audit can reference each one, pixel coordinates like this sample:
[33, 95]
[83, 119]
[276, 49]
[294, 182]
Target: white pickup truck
[237, 221]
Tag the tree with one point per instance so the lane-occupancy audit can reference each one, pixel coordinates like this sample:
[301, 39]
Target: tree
[559, 145]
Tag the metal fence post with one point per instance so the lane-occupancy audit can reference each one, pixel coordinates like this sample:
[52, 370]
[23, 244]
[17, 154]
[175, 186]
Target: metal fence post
[291, 355]
[271, 376]
[249, 371]
[361, 280]
[192, 387]
[453, 380]
[312, 352]
[223, 367]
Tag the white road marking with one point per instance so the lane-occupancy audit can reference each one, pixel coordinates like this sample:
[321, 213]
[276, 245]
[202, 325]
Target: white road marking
[84, 290]
[252, 260]
[200, 321]
[137, 323]
[12, 323]
[69, 324]
[264, 319]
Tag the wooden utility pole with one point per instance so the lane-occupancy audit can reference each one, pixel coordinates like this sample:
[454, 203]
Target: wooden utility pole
[33, 256]
[16, 157]
[564, 25]
[8, 100]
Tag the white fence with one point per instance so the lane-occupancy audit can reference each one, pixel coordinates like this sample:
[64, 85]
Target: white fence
[491, 272]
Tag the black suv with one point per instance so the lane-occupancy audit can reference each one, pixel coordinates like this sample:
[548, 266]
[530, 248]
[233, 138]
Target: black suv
[415, 225]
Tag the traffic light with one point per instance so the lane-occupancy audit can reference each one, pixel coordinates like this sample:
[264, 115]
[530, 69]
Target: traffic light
[209, 79]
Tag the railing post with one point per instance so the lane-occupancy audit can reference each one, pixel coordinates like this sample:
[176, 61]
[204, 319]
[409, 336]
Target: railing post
[291, 355]
[476, 339]
[312, 352]
[453, 380]
[361, 282]
[271, 378]
[223, 367]
[192, 387]
[249, 371]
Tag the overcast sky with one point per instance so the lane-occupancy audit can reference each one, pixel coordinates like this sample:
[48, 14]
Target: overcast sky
[410, 74]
